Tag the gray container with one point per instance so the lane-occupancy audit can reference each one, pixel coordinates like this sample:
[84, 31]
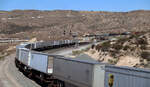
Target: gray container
[92, 74]
[81, 74]
[38, 61]
[56, 43]
[17, 53]
[127, 77]
[41, 62]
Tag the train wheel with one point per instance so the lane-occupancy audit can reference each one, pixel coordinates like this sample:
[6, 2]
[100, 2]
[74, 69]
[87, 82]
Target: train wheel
[30, 75]
[16, 63]
[51, 84]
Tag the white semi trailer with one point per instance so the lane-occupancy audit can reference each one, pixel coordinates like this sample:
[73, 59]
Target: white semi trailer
[88, 73]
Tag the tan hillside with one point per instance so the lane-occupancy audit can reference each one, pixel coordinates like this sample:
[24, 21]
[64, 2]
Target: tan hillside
[133, 51]
[51, 24]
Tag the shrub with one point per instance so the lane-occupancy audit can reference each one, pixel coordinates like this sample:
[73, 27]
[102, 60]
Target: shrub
[77, 52]
[126, 47]
[113, 54]
[110, 61]
[122, 40]
[142, 41]
[92, 46]
[1, 57]
[143, 47]
[145, 55]
[113, 61]
[106, 45]
[98, 47]
[86, 49]
[117, 46]
[92, 51]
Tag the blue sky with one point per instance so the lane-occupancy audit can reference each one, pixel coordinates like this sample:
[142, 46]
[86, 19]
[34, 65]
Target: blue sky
[95, 5]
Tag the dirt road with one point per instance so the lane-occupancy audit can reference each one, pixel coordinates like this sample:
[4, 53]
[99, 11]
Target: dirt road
[11, 77]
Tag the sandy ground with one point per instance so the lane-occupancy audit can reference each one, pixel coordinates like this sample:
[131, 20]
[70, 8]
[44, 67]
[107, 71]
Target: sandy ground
[128, 61]
[11, 77]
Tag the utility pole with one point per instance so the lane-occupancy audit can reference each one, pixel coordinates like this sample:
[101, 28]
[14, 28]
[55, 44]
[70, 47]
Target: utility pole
[74, 35]
[64, 32]
[70, 32]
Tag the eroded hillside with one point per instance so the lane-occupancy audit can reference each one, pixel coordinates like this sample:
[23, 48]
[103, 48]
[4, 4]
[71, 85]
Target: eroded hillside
[133, 51]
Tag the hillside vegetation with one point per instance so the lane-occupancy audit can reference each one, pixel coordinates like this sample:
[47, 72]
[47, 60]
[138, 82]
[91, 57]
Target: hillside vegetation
[133, 51]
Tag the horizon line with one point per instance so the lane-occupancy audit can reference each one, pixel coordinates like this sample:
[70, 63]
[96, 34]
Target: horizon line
[72, 10]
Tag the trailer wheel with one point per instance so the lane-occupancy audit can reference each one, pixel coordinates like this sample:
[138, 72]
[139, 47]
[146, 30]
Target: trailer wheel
[30, 75]
[16, 63]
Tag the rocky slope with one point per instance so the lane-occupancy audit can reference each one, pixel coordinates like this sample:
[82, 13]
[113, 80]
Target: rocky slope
[133, 51]
[51, 24]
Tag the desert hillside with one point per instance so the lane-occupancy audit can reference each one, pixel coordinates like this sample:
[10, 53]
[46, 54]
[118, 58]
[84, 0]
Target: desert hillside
[51, 24]
[133, 51]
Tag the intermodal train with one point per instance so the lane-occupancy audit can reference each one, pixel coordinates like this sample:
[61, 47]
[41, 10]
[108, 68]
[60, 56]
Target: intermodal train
[38, 65]
[58, 71]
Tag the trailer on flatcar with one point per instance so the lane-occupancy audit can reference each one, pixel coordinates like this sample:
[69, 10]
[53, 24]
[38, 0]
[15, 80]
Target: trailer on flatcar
[88, 73]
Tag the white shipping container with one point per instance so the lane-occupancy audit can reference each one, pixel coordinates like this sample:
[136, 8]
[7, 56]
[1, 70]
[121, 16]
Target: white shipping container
[39, 61]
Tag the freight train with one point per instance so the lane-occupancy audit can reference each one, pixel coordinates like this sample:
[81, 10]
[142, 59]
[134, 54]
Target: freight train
[58, 71]
[39, 65]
